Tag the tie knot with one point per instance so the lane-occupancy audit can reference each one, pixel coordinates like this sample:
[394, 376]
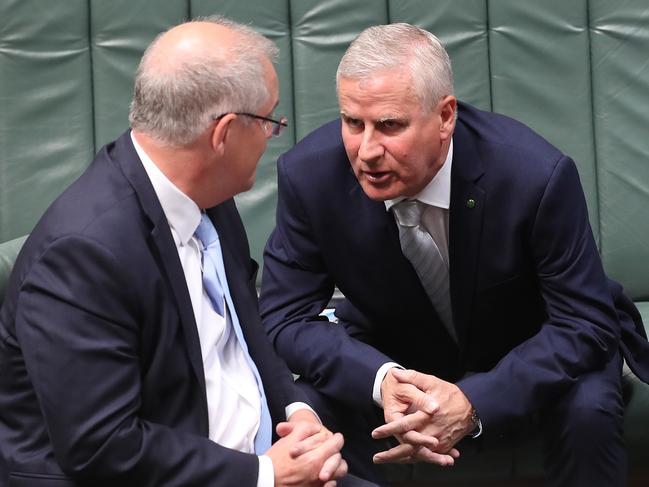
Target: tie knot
[408, 213]
[206, 232]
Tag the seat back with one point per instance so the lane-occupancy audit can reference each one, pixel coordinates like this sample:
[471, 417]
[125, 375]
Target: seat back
[576, 72]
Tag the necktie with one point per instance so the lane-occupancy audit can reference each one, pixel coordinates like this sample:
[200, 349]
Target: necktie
[216, 285]
[421, 250]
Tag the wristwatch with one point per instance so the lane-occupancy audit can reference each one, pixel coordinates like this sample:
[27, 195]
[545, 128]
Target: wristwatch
[477, 424]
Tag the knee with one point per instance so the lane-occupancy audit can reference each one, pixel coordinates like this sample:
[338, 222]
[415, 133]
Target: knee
[584, 443]
[591, 423]
[586, 415]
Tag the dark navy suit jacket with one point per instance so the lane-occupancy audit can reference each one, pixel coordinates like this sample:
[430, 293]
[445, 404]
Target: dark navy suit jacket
[101, 376]
[531, 304]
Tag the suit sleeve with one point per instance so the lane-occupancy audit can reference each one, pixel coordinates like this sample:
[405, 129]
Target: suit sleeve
[77, 323]
[296, 287]
[581, 331]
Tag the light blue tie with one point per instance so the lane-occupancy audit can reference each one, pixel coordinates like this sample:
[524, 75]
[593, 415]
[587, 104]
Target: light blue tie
[216, 284]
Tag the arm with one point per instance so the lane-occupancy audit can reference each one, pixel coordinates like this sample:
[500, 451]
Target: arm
[581, 331]
[296, 286]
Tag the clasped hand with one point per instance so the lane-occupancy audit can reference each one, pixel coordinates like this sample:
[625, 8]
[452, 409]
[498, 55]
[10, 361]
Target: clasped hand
[426, 414]
[307, 453]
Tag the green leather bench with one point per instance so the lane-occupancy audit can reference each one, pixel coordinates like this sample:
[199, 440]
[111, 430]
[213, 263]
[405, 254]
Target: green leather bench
[575, 71]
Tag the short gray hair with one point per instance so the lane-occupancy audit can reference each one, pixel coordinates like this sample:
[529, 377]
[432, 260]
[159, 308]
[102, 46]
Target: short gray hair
[390, 46]
[176, 105]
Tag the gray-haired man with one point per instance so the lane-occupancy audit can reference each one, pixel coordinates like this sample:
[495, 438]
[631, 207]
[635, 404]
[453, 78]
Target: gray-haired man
[461, 242]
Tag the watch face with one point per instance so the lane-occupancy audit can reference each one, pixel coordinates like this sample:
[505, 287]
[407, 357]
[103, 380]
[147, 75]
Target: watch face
[477, 424]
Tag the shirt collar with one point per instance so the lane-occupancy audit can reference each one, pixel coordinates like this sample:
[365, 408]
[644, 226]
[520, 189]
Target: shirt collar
[183, 215]
[438, 191]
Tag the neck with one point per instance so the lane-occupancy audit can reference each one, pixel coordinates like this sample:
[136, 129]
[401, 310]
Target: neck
[184, 166]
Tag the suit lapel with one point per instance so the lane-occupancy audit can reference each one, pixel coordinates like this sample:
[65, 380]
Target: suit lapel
[373, 223]
[465, 227]
[162, 241]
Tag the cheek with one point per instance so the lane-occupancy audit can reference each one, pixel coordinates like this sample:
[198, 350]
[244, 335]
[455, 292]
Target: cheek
[351, 144]
[262, 147]
[398, 156]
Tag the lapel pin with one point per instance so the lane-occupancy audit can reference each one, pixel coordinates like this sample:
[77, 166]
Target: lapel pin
[470, 203]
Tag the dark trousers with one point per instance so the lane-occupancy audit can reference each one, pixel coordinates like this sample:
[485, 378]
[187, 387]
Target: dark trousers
[581, 432]
[583, 435]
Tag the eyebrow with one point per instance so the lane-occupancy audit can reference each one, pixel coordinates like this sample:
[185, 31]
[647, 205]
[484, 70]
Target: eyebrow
[379, 120]
[390, 118]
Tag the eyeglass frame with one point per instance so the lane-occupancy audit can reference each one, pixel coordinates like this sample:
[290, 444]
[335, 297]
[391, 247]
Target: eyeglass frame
[277, 127]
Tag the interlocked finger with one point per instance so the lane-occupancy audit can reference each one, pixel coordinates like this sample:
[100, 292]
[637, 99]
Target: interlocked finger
[419, 439]
[403, 453]
[310, 443]
[334, 467]
[409, 422]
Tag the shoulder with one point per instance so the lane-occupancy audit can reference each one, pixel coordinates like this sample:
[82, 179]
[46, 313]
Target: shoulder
[506, 151]
[321, 148]
[497, 133]
[317, 165]
[100, 206]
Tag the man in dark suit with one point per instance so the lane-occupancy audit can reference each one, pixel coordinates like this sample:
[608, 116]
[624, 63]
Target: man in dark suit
[120, 365]
[460, 241]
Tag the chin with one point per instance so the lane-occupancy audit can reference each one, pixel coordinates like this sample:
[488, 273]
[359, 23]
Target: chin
[378, 194]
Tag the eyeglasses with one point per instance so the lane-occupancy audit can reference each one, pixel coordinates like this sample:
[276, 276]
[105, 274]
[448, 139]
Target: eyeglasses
[271, 126]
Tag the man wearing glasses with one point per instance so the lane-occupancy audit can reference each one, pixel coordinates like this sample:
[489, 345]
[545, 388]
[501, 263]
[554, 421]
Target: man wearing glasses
[132, 352]
[272, 127]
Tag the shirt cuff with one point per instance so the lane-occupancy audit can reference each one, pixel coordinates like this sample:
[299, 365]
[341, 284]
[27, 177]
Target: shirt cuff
[296, 406]
[380, 375]
[266, 476]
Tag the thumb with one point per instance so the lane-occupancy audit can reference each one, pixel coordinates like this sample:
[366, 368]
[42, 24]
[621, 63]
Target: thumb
[425, 402]
[417, 394]
[417, 379]
[284, 429]
[422, 401]
[414, 397]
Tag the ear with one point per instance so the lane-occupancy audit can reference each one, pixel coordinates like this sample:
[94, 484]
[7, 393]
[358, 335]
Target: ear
[221, 132]
[447, 108]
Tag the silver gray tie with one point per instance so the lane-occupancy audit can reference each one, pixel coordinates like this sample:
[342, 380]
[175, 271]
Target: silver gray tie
[424, 255]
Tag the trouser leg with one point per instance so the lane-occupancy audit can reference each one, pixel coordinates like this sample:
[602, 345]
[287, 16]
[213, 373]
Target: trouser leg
[583, 432]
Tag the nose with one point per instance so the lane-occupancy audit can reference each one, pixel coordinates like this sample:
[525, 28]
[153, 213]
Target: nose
[370, 148]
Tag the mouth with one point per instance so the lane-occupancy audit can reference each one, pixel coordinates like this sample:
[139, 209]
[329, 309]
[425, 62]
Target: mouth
[376, 177]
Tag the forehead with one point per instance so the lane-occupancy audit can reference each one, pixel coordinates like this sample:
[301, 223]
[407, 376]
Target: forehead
[384, 94]
[272, 85]
[270, 75]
